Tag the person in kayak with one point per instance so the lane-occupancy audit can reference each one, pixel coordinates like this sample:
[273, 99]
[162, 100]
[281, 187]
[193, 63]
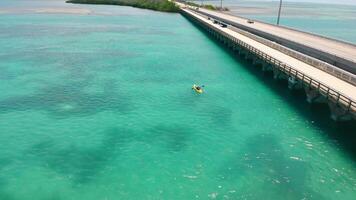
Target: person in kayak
[198, 89]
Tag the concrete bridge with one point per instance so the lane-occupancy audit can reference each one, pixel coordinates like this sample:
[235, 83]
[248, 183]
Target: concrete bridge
[323, 67]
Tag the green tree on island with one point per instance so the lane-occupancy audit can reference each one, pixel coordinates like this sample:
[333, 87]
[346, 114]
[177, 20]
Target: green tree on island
[159, 5]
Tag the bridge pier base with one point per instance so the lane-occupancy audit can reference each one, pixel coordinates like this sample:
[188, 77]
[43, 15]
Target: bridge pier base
[235, 47]
[257, 61]
[238, 50]
[230, 45]
[250, 56]
[293, 83]
[276, 73]
[242, 53]
[338, 113]
[313, 96]
[266, 67]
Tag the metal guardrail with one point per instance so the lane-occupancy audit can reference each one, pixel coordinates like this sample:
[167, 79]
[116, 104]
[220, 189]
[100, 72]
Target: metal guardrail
[329, 93]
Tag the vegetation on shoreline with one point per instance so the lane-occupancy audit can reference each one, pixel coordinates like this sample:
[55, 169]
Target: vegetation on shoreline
[158, 5]
[206, 6]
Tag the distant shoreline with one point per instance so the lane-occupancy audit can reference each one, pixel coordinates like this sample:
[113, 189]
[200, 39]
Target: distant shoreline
[157, 5]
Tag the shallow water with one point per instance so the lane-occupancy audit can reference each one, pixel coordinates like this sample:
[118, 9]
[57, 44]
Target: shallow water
[99, 106]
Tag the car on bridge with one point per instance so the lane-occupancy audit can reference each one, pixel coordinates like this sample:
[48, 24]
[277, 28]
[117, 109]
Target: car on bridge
[223, 25]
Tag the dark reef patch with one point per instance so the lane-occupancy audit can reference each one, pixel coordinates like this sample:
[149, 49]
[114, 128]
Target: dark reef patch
[81, 164]
[69, 100]
[220, 115]
[175, 137]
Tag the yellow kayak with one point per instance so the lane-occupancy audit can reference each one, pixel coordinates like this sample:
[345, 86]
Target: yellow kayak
[197, 89]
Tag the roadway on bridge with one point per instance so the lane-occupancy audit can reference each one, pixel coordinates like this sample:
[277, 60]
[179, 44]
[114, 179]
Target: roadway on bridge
[334, 47]
[332, 82]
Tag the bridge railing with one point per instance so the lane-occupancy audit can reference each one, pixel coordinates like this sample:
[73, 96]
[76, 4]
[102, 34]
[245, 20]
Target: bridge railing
[323, 89]
[324, 66]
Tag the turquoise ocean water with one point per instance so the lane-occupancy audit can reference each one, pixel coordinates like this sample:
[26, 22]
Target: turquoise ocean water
[99, 106]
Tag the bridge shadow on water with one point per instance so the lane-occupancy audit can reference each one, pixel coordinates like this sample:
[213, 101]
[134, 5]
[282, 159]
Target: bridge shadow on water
[344, 133]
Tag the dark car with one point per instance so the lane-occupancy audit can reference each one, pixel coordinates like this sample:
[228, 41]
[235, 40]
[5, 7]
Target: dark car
[250, 21]
[223, 25]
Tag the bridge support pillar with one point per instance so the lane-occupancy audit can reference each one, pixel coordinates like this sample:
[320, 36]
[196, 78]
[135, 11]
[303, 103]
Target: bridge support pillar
[313, 96]
[225, 41]
[276, 73]
[256, 61]
[231, 45]
[250, 56]
[259, 62]
[266, 67]
[228, 44]
[234, 47]
[294, 83]
[338, 113]
[242, 53]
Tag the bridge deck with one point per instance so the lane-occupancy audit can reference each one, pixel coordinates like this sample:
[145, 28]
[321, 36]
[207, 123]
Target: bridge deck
[334, 47]
[330, 81]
